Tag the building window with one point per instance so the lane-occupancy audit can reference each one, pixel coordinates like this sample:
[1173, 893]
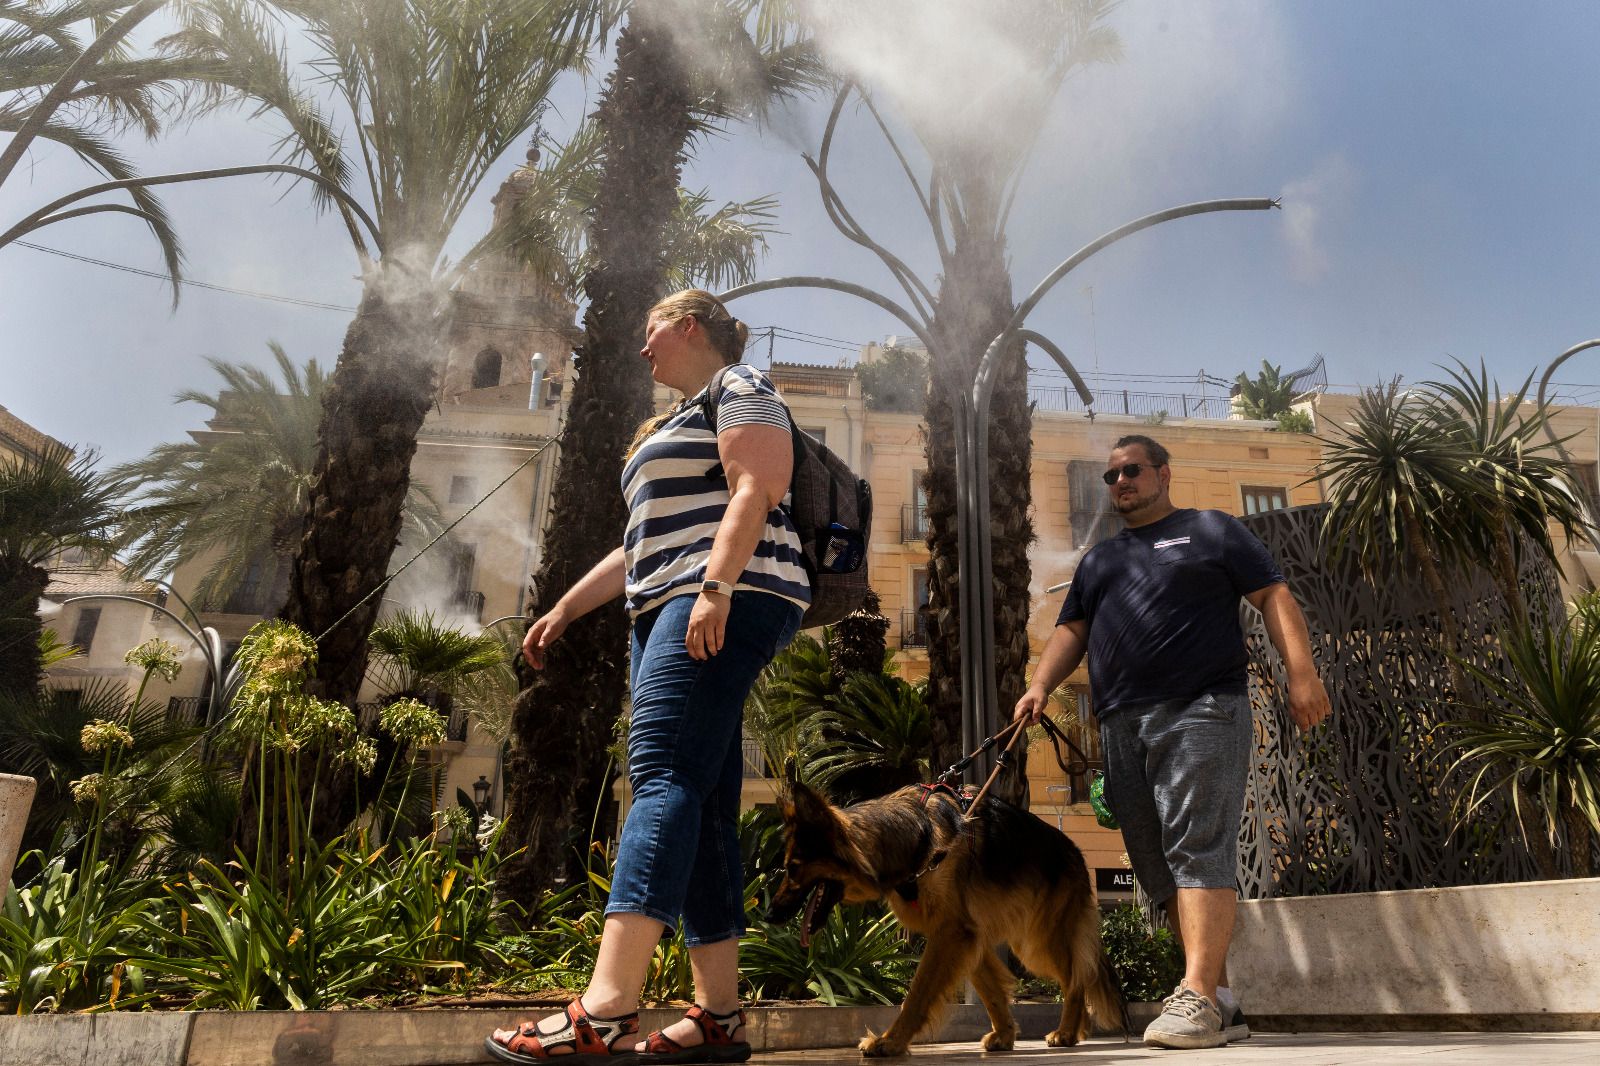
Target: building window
[463, 489]
[914, 517]
[249, 595]
[819, 432]
[1583, 474]
[1092, 517]
[83, 632]
[486, 370]
[1258, 498]
[914, 623]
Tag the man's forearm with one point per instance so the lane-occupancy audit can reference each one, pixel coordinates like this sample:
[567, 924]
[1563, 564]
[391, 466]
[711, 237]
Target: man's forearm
[1286, 629]
[1061, 655]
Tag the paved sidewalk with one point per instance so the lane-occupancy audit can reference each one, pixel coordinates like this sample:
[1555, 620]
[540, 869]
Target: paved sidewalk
[1296, 1049]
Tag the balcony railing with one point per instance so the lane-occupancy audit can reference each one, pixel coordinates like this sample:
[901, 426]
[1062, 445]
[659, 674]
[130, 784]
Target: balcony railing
[913, 523]
[187, 710]
[913, 629]
[1125, 402]
[755, 763]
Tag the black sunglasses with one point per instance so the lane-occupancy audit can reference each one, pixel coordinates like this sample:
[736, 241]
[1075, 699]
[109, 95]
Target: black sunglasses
[1130, 471]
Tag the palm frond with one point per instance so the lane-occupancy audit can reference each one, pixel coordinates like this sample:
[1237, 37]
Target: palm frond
[1540, 736]
[54, 501]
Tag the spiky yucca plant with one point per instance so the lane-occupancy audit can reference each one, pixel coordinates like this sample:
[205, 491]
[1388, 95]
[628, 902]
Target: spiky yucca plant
[1537, 743]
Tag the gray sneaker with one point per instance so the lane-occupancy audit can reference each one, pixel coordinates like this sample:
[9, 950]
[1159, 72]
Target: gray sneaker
[1187, 1021]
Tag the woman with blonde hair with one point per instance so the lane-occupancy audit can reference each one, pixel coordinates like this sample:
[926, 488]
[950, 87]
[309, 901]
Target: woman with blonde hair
[711, 568]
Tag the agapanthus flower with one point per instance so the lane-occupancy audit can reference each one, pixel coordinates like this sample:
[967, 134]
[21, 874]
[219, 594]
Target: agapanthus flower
[86, 789]
[156, 656]
[412, 722]
[100, 735]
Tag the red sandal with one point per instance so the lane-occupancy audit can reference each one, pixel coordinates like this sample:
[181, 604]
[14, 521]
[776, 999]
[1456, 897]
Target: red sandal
[592, 1041]
[719, 1045]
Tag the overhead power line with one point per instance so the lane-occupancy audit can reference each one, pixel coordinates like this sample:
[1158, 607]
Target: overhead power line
[318, 304]
[783, 332]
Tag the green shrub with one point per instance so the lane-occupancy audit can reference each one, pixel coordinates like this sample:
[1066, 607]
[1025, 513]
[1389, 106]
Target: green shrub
[66, 940]
[1149, 964]
[859, 956]
[1295, 422]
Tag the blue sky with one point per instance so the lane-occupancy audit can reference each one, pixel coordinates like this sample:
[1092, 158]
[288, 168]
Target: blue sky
[1439, 164]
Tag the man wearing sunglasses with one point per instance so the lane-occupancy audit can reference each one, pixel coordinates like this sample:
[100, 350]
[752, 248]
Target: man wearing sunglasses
[1156, 609]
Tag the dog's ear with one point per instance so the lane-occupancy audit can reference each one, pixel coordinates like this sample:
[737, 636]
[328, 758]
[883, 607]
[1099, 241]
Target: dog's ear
[791, 774]
[809, 805]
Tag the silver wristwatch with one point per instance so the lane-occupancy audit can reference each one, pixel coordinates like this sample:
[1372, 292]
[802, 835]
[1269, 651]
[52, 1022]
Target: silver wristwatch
[720, 587]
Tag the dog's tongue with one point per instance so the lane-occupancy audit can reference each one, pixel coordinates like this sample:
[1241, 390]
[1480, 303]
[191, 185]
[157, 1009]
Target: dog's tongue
[805, 918]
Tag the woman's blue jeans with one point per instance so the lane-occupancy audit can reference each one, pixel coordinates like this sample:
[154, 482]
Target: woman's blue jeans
[679, 852]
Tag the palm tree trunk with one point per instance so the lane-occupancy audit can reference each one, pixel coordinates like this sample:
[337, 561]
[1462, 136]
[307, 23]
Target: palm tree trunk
[1431, 577]
[22, 586]
[974, 303]
[377, 397]
[1505, 570]
[558, 772]
[1535, 833]
[1579, 836]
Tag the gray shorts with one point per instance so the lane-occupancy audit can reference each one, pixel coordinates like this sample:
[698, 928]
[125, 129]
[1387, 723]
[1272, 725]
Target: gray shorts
[1175, 779]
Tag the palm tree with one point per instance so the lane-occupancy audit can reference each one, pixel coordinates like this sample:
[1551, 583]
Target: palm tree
[434, 93]
[1393, 484]
[1537, 741]
[1267, 395]
[658, 96]
[1520, 483]
[417, 656]
[236, 499]
[857, 643]
[49, 502]
[162, 798]
[973, 183]
[872, 738]
[58, 86]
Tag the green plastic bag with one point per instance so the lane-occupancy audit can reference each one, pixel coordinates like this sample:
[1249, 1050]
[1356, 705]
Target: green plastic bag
[1097, 800]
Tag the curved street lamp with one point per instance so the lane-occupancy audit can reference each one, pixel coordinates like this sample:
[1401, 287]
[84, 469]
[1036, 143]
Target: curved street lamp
[975, 552]
[223, 684]
[1589, 532]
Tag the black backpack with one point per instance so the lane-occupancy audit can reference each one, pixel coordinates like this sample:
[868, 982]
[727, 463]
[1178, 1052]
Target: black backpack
[832, 513]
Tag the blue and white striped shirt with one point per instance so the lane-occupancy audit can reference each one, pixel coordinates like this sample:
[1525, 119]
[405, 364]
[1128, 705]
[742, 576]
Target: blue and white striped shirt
[677, 497]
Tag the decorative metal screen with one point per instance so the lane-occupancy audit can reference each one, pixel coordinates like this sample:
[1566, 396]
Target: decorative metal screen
[1361, 803]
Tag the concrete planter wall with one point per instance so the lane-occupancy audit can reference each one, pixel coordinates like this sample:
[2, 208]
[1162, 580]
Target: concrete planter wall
[408, 1038]
[16, 799]
[1522, 956]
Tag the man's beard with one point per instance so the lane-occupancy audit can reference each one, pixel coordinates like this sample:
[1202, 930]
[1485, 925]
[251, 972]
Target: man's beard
[1128, 504]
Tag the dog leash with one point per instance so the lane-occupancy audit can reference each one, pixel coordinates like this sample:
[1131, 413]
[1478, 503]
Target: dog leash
[1016, 729]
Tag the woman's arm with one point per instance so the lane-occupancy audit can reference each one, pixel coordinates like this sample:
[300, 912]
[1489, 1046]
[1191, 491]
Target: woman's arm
[604, 582]
[759, 461]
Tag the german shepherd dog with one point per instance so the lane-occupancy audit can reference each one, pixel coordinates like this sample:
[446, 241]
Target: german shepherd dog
[967, 885]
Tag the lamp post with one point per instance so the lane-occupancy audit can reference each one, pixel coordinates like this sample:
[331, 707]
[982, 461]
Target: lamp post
[480, 792]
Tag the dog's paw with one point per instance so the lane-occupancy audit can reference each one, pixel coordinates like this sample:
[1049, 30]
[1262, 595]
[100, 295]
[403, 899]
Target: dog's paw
[997, 1041]
[881, 1047]
[1060, 1038]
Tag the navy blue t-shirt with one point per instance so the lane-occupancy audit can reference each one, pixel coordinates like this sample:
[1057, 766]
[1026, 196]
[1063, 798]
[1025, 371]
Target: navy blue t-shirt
[1162, 603]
